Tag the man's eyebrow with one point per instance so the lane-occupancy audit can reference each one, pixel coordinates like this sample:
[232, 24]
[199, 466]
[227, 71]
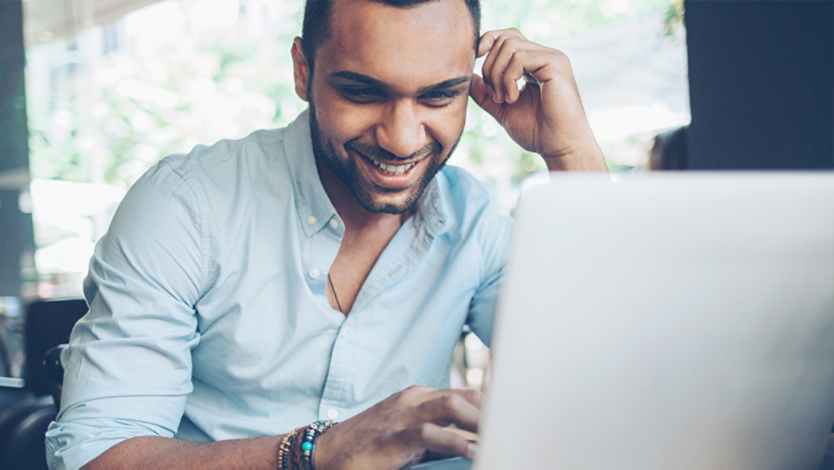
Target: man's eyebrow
[361, 78]
[358, 77]
[445, 84]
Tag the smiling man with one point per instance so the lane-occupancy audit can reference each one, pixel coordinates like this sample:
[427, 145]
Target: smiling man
[318, 272]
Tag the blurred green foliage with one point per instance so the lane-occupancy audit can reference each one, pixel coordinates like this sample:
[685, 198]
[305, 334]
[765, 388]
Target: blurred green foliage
[674, 17]
[130, 130]
[548, 20]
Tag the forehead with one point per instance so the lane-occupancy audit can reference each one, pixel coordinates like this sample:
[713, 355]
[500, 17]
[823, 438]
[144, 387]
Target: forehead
[429, 42]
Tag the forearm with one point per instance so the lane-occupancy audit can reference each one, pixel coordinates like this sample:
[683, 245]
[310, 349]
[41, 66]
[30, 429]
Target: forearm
[149, 452]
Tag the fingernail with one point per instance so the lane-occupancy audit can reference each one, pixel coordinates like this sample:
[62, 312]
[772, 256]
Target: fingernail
[471, 450]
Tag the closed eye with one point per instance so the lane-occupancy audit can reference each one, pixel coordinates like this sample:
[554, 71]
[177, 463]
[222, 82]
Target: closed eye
[362, 95]
[441, 98]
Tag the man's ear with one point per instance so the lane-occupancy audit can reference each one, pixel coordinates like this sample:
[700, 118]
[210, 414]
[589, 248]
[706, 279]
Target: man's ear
[301, 72]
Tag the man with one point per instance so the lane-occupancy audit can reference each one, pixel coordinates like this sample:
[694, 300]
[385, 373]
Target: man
[310, 272]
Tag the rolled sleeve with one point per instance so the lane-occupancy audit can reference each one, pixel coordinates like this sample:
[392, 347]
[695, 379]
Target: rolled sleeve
[128, 366]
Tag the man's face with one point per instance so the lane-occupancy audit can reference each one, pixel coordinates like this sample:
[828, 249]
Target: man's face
[388, 96]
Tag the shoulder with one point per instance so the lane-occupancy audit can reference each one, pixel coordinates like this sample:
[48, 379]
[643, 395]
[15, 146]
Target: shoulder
[472, 206]
[469, 201]
[258, 156]
[192, 200]
[463, 187]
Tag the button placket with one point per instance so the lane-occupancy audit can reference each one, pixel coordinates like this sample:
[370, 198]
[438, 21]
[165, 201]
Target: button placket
[339, 374]
[320, 250]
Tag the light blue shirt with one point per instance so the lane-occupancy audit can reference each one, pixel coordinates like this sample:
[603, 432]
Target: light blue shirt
[208, 312]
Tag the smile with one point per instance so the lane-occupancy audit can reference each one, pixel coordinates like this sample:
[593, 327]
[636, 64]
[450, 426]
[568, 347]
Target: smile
[393, 169]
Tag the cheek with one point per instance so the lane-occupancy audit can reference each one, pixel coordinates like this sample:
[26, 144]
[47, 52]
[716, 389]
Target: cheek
[447, 124]
[341, 121]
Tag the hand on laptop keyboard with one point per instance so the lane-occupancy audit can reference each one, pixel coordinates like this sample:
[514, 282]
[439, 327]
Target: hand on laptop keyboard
[401, 430]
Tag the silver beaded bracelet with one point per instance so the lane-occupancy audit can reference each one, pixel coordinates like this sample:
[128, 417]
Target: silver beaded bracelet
[308, 445]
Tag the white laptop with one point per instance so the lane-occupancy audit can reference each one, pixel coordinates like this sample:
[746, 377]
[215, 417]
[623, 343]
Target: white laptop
[666, 321]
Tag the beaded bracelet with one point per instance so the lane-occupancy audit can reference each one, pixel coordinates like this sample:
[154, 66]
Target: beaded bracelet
[308, 446]
[284, 449]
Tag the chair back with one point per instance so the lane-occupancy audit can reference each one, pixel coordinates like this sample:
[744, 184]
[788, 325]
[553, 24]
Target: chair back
[22, 430]
[48, 324]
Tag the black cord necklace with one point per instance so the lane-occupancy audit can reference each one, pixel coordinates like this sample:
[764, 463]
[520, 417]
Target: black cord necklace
[334, 293]
[330, 280]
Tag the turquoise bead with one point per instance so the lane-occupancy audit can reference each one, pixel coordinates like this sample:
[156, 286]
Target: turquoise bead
[307, 446]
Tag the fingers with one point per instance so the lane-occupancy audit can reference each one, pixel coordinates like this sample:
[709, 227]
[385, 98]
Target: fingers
[417, 395]
[494, 46]
[451, 408]
[479, 92]
[508, 66]
[501, 77]
[510, 58]
[403, 427]
[436, 439]
[489, 38]
[474, 397]
[441, 407]
[495, 41]
[489, 71]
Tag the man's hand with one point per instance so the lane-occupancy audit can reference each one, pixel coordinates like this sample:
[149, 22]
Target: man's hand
[546, 116]
[401, 429]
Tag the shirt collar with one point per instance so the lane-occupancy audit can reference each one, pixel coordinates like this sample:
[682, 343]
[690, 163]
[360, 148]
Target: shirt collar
[433, 207]
[311, 201]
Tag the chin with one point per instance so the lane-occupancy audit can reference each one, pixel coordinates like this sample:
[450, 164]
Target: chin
[386, 204]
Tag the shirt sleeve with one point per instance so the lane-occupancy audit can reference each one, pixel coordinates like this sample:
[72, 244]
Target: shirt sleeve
[128, 366]
[494, 238]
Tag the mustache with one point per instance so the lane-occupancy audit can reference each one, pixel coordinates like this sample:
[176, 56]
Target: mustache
[378, 153]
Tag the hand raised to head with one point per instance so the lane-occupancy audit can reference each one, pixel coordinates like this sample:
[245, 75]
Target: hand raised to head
[546, 115]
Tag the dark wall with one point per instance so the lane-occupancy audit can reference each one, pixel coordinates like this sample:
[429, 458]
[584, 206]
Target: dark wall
[16, 244]
[761, 77]
[14, 151]
[16, 234]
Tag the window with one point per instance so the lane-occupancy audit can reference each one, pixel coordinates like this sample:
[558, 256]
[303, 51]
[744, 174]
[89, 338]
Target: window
[113, 86]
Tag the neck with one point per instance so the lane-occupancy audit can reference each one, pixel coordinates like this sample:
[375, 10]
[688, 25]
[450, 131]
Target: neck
[354, 216]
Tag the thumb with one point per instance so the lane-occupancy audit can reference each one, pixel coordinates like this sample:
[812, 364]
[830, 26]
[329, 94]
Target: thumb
[480, 93]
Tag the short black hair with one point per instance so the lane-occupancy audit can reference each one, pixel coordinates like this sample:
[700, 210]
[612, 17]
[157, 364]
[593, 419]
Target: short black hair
[316, 26]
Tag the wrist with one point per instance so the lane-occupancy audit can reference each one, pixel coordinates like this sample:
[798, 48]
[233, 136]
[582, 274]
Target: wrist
[585, 157]
[324, 452]
[284, 450]
[303, 446]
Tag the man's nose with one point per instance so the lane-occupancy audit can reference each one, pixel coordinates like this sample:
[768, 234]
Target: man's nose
[401, 131]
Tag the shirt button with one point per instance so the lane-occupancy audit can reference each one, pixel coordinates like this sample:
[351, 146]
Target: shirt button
[334, 224]
[315, 273]
[311, 220]
[332, 413]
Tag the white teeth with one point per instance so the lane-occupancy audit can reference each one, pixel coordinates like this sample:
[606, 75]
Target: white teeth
[393, 169]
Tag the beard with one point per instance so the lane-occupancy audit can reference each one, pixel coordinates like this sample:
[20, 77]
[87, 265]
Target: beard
[364, 191]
